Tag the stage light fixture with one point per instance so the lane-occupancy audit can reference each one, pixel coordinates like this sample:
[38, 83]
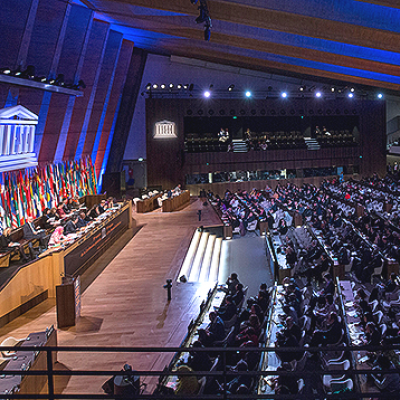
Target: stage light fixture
[17, 72]
[318, 94]
[162, 86]
[52, 81]
[332, 89]
[41, 79]
[302, 88]
[179, 86]
[29, 73]
[248, 94]
[231, 87]
[171, 85]
[207, 94]
[284, 95]
[185, 86]
[6, 71]
[380, 95]
[155, 86]
[60, 81]
[352, 90]
[148, 86]
[351, 95]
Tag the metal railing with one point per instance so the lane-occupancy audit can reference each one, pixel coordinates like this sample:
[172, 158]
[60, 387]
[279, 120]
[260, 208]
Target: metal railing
[224, 374]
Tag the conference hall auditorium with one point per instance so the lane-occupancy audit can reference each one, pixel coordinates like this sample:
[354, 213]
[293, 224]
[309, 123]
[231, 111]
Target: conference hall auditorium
[199, 199]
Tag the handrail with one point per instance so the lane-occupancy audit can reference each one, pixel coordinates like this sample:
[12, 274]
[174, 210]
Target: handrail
[224, 374]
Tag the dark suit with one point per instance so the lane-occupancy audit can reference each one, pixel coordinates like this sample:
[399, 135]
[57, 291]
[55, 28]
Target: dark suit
[31, 233]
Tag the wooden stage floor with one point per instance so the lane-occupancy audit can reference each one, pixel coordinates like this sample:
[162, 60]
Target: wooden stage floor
[124, 302]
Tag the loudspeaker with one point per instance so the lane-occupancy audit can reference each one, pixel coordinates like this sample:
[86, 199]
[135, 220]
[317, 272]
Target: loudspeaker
[114, 183]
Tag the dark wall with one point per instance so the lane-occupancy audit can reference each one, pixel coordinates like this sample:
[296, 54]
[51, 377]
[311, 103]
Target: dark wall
[168, 163]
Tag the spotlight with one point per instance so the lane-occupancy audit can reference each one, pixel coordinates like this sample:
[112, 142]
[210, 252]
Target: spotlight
[148, 86]
[352, 90]
[231, 87]
[284, 95]
[179, 86]
[318, 94]
[379, 95]
[351, 95]
[332, 89]
[52, 81]
[17, 72]
[162, 86]
[155, 86]
[29, 73]
[60, 80]
[185, 86]
[171, 85]
[6, 71]
[248, 94]
[40, 79]
[302, 88]
[207, 94]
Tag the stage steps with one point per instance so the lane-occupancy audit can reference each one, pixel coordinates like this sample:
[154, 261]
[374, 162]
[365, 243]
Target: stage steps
[239, 146]
[312, 143]
[202, 260]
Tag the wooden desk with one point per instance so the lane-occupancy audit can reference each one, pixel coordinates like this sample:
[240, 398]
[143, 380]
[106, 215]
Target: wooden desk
[177, 202]
[29, 384]
[147, 205]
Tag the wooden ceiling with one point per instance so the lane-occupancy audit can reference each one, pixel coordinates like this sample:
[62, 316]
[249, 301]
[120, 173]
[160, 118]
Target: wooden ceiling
[349, 41]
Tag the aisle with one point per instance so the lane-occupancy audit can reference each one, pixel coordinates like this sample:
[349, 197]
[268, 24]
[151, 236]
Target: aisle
[246, 256]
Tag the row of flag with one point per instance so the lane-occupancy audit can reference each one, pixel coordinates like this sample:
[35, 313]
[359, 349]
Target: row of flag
[27, 193]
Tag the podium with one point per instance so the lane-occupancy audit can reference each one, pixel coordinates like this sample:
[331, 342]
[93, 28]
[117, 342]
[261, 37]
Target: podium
[68, 298]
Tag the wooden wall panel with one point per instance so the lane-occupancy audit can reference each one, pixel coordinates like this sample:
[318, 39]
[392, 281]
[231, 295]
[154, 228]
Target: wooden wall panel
[45, 36]
[90, 74]
[112, 49]
[12, 30]
[119, 80]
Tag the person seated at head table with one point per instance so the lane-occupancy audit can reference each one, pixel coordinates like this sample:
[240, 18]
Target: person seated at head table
[102, 207]
[60, 210]
[72, 204]
[50, 218]
[110, 202]
[70, 226]
[389, 382]
[57, 236]
[82, 220]
[66, 206]
[6, 245]
[30, 232]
